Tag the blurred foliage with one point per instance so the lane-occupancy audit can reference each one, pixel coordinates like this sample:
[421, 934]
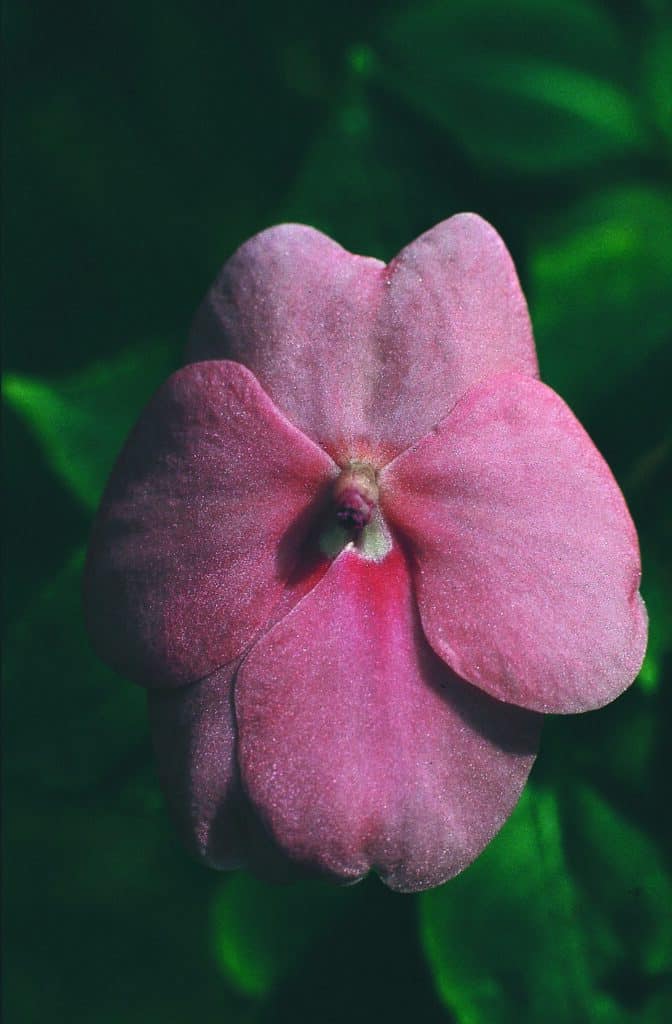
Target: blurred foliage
[261, 931]
[101, 730]
[574, 892]
[143, 143]
[615, 245]
[80, 419]
[532, 88]
[657, 77]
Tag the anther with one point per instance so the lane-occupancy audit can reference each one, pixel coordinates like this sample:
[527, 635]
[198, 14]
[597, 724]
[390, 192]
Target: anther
[355, 495]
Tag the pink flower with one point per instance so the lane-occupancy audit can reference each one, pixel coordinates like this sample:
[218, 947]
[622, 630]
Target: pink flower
[355, 548]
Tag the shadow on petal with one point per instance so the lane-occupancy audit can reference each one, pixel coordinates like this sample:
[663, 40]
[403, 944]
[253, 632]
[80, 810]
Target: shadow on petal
[298, 556]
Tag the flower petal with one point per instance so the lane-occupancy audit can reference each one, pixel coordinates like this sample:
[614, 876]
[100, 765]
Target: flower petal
[362, 357]
[193, 732]
[194, 738]
[360, 749]
[527, 558]
[197, 537]
[453, 314]
[298, 310]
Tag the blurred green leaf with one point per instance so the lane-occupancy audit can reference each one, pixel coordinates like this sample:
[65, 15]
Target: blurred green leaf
[71, 724]
[657, 593]
[601, 280]
[104, 909]
[101, 903]
[564, 918]
[363, 180]
[658, 77]
[262, 932]
[81, 421]
[624, 894]
[523, 87]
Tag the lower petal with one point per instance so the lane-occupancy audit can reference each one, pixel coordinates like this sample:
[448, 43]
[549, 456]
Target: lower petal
[360, 749]
[193, 732]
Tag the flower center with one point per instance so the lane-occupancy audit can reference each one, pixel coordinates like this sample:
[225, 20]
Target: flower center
[355, 520]
[355, 496]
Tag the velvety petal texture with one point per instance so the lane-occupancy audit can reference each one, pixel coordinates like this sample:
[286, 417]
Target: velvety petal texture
[453, 313]
[527, 562]
[363, 357]
[354, 548]
[360, 749]
[298, 310]
[198, 536]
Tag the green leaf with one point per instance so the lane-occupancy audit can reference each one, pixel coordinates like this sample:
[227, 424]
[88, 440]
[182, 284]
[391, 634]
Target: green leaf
[105, 909]
[101, 904]
[522, 87]
[81, 421]
[260, 931]
[657, 593]
[658, 78]
[624, 891]
[601, 280]
[72, 724]
[364, 181]
[544, 925]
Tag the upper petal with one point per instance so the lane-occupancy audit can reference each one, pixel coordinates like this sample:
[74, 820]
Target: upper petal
[196, 541]
[453, 314]
[360, 748]
[366, 358]
[527, 559]
[297, 309]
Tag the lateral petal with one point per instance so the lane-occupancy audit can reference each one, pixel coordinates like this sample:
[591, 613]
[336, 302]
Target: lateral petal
[202, 529]
[527, 562]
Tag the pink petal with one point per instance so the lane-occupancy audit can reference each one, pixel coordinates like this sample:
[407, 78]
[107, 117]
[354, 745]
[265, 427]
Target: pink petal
[193, 732]
[298, 310]
[527, 559]
[366, 358]
[360, 749]
[453, 314]
[194, 738]
[200, 530]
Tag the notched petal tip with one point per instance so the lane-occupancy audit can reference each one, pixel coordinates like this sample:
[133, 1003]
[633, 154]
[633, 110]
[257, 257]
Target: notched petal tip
[360, 750]
[349, 348]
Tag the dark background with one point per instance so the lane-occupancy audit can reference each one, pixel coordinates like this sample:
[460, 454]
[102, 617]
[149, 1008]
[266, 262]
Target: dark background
[143, 143]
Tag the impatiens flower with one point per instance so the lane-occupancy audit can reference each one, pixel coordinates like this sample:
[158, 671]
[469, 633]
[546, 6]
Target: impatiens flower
[355, 549]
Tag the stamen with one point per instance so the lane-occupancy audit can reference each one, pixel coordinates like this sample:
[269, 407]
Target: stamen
[353, 509]
[356, 522]
[356, 496]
